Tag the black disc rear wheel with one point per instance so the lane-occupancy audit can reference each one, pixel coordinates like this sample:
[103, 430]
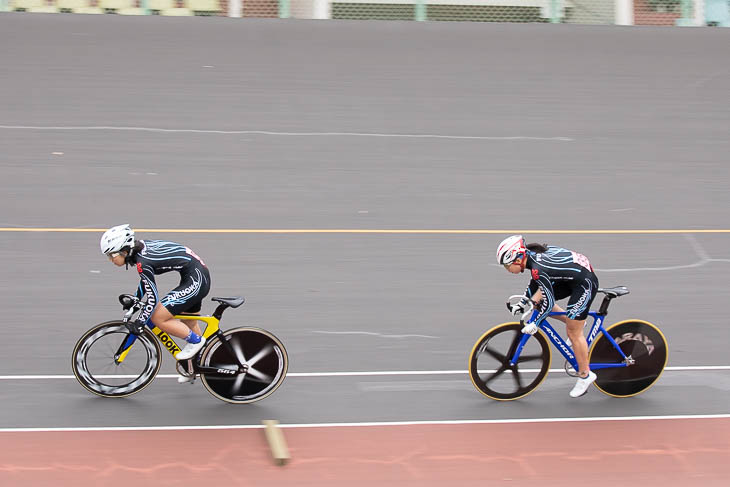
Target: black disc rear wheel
[489, 363]
[643, 343]
[263, 356]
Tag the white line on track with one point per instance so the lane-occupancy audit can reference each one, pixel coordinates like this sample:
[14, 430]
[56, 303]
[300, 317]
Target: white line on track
[670, 268]
[296, 134]
[696, 246]
[353, 374]
[365, 424]
[370, 333]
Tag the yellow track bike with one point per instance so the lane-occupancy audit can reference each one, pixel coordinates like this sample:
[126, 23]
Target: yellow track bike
[241, 365]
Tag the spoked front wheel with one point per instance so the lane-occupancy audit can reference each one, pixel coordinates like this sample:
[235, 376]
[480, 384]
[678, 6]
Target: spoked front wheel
[100, 371]
[263, 356]
[645, 346]
[489, 363]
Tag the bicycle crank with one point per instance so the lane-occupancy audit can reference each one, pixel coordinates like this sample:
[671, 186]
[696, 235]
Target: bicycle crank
[569, 369]
[185, 368]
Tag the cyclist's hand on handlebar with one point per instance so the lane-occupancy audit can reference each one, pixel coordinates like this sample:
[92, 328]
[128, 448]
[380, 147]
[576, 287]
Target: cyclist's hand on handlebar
[521, 306]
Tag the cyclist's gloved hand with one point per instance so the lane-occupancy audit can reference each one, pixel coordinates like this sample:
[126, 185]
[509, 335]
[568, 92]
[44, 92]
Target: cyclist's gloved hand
[135, 327]
[521, 306]
[530, 328]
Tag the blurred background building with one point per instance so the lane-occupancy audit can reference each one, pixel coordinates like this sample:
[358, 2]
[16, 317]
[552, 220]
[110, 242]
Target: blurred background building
[607, 12]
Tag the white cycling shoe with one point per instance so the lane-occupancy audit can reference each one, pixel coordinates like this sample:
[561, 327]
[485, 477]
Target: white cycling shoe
[582, 384]
[190, 350]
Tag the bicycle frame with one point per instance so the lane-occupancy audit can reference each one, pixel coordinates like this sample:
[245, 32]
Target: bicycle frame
[563, 347]
[212, 328]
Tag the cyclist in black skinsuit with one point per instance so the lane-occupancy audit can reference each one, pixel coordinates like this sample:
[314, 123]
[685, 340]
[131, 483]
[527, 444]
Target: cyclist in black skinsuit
[153, 257]
[557, 273]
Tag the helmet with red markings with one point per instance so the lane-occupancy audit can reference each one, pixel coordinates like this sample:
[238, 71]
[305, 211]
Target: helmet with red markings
[510, 249]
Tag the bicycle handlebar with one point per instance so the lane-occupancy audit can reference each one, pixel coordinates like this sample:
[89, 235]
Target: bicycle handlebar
[528, 311]
[130, 304]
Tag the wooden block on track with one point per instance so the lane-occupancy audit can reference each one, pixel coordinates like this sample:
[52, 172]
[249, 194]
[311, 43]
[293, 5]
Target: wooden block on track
[277, 442]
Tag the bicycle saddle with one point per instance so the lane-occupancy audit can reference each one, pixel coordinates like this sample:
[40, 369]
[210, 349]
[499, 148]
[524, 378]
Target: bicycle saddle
[614, 292]
[232, 302]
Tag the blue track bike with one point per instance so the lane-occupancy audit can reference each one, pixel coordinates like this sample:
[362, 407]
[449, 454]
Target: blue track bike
[628, 357]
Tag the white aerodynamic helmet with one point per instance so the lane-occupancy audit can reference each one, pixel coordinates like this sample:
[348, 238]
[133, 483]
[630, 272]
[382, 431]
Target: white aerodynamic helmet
[117, 238]
[509, 249]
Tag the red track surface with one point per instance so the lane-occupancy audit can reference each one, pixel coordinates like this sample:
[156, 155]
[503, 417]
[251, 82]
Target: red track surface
[686, 452]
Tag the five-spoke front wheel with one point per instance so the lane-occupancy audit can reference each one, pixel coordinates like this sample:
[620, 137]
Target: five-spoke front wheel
[489, 363]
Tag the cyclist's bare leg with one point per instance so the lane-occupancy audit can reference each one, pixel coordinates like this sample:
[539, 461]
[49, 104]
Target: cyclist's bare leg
[575, 333]
[164, 320]
[193, 324]
[580, 346]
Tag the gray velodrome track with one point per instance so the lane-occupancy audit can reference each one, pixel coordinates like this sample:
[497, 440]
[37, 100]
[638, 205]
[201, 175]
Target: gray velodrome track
[629, 130]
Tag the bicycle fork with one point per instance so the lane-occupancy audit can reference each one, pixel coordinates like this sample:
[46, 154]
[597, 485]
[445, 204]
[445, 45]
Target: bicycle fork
[124, 348]
[518, 351]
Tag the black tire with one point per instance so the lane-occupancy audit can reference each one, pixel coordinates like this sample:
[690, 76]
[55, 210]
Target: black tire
[94, 366]
[489, 367]
[264, 375]
[638, 339]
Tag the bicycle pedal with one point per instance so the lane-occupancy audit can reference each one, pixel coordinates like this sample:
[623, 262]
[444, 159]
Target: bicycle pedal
[186, 379]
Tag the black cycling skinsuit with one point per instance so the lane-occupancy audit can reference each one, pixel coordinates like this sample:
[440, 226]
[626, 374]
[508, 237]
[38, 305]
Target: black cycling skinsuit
[159, 257]
[561, 273]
